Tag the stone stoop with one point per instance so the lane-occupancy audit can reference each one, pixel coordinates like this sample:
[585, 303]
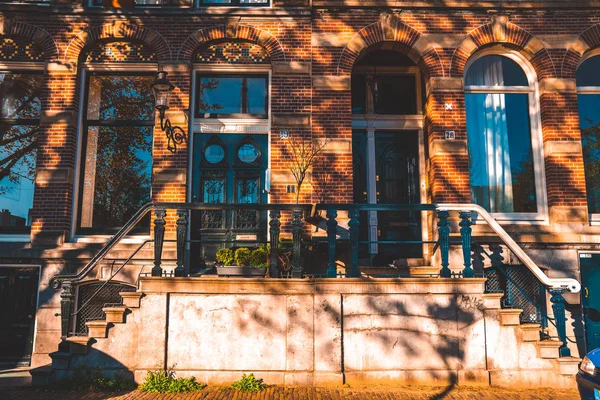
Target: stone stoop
[80, 345]
[562, 370]
[15, 377]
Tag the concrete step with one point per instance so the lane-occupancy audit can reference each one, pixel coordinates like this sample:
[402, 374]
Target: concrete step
[510, 316]
[417, 271]
[548, 349]
[531, 332]
[115, 314]
[491, 301]
[15, 377]
[60, 360]
[79, 344]
[131, 299]
[569, 365]
[97, 329]
[41, 376]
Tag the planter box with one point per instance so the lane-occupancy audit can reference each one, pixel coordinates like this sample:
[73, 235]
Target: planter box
[241, 271]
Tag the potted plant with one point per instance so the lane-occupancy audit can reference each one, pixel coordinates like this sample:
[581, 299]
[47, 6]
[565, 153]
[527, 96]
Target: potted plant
[242, 262]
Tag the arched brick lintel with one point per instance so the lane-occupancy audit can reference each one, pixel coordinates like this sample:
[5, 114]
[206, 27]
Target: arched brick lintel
[36, 34]
[587, 41]
[512, 37]
[389, 31]
[119, 30]
[220, 32]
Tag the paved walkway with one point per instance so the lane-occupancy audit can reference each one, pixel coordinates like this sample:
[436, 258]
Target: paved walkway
[305, 393]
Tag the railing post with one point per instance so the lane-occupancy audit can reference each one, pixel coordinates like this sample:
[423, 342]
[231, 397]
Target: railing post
[444, 239]
[331, 241]
[297, 225]
[67, 300]
[182, 223]
[274, 231]
[465, 237]
[558, 307]
[354, 225]
[159, 236]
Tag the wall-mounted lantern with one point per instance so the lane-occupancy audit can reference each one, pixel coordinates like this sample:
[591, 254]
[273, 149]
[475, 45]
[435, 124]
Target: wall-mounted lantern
[163, 88]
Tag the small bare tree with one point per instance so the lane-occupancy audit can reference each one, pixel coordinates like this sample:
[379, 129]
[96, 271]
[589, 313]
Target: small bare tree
[301, 158]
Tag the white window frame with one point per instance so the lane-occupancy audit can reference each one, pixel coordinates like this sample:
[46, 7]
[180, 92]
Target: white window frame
[535, 121]
[20, 66]
[594, 219]
[86, 69]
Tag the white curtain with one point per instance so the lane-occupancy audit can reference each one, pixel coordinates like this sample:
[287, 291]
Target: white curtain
[491, 178]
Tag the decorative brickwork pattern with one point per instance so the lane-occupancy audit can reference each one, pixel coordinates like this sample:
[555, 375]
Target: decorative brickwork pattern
[234, 53]
[119, 52]
[20, 49]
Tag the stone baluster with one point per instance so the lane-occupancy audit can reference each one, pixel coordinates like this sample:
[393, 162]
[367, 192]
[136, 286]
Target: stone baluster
[182, 223]
[444, 241]
[159, 237]
[465, 237]
[274, 230]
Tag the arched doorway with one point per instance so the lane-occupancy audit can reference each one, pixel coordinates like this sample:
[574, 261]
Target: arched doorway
[388, 156]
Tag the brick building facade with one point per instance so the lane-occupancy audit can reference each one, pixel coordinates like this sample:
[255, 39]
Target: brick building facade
[315, 64]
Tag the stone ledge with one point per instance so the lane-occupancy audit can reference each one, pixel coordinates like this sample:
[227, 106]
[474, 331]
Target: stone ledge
[46, 176]
[510, 316]
[568, 214]
[491, 301]
[207, 285]
[291, 119]
[55, 117]
[548, 349]
[531, 332]
[97, 329]
[552, 147]
[171, 175]
[115, 315]
[569, 365]
[446, 84]
[290, 68]
[175, 67]
[557, 85]
[131, 299]
[333, 82]
[441, 146]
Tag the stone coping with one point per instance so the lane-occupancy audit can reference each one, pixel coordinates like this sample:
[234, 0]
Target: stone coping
[216, 285]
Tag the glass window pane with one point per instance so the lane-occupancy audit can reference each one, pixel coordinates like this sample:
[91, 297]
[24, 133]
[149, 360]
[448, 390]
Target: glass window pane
[117, 175]
[500, 151]
[20, 95]
[230, 95]
[589, 119]
[17, 176]
[213, 190]
[214, 153]
[359, 94]
[120, 98]
[247, 153]
[247, 191]
[396, 95]
[495, 71]
[587, 73]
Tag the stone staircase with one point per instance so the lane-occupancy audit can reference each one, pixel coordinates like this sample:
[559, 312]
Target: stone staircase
[517, 348]
[516, 357]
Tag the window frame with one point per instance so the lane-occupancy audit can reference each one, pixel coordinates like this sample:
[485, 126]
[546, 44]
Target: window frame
[193, 4]
[10, 234]
[87, 72]
[594, 218]
[235, 116]
[535, 129]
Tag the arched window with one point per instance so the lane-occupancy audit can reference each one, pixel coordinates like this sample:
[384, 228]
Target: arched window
[588, 96]
[501, 111]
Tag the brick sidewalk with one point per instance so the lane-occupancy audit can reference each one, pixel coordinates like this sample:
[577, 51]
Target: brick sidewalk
[308, 393]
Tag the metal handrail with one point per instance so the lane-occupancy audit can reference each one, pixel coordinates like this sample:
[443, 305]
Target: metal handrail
[572, 285]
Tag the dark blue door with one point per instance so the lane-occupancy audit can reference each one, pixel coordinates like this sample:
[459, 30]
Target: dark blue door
[590, 298]
[228, 168]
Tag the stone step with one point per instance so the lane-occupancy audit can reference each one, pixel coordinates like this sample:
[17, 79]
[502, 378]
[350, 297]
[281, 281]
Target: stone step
[510, 316]
[41, 376]
[491, 301]
[115, 314]
[548, 349]
[569, 365]
[131, 299]
[97, 329]
[418, 271]
[15, 377]
[531, 332]
[79, 344]
[60, 360]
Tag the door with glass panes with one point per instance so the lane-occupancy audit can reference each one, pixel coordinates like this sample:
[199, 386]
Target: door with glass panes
[228, 168]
